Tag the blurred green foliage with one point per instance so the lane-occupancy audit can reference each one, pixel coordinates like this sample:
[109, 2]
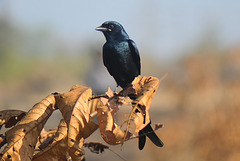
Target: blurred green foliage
[23, 52]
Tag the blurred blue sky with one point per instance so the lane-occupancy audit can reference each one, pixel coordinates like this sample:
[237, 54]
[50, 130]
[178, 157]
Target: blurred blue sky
[164, 28]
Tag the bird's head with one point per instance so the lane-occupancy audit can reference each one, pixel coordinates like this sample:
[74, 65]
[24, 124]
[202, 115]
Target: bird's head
[113, 30]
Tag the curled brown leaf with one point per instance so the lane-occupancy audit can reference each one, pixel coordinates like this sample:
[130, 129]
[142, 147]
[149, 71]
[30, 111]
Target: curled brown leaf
[57, 149]
[110, 131]
[139, 95]
[22, 138]
[45, 138]
[10, 117]
[146, 88]
[75, 110]
[95, 147]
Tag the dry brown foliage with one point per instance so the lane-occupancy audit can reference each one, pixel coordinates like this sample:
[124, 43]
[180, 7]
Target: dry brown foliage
[29, 141]
[57, 149]
[142, 90]
[10, 117]
[23, 137]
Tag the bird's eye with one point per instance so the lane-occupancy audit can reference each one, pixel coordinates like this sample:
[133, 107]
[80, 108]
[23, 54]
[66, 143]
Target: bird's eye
[111, 26]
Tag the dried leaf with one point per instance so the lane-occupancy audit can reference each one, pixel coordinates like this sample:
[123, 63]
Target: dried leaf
[141, 93]
[146, 88]
[10, 117]
[74, 108]
[57, 150]
[96, 147]
[2, 140]
[110, 131]
[158, 126]
[93, 104]
[109, 92]
[46, 138]
[23, 137]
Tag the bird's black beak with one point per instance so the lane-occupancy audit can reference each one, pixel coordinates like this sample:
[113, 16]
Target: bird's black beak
[101, 28]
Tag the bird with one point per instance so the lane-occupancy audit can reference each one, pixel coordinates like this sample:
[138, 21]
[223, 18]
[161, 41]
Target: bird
[120, 54]
[122, 60]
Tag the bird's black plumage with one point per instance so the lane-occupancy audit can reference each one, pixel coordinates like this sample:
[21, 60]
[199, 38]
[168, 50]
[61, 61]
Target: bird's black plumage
[122, 60]
[148, 131]
[120, 54]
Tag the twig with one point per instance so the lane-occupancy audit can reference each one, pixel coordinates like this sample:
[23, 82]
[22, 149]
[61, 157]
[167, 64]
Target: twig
[117, 154]
[96, 147]
[129, 121]
[98, 96]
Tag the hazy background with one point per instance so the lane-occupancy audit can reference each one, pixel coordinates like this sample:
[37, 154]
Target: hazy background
[48, 46]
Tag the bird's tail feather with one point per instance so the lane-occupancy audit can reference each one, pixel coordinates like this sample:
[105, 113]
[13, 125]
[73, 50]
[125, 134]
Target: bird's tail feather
[142, 140]
[149, 132]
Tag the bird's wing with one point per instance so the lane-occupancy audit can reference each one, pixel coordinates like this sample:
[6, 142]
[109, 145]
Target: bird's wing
[107, 58]
[135, 54]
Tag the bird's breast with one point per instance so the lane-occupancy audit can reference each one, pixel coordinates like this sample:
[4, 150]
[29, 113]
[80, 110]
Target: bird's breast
[117, 57]
[120, 51]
